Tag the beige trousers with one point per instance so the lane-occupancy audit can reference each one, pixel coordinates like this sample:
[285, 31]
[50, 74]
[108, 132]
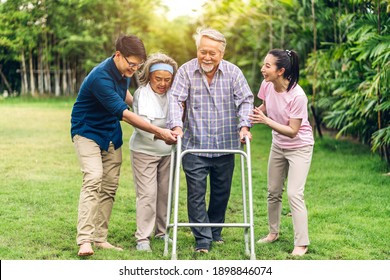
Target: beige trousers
[294, 166]
[101, 171]
[151, 180]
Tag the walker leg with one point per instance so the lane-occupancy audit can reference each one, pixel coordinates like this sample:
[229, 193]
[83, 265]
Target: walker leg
[166, 242]
[247, 252]
[244, 203]
[250, 196]
[169, 204]
[176, 193]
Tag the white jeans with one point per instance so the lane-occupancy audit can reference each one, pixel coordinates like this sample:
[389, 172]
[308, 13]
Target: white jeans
[294, 166]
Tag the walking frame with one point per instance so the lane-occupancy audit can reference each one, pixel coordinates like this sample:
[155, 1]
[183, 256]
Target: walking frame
[174, 178]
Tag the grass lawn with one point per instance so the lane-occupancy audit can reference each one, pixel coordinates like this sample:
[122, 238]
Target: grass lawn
[347, 195]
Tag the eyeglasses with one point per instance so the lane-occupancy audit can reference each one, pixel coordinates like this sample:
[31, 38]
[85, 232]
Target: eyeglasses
[132, 64]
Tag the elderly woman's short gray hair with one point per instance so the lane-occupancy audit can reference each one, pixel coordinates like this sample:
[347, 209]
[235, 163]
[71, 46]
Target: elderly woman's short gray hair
[212, 34]
[153, 59]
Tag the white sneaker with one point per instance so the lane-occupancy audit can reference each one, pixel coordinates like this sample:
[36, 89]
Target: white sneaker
[162, 237]
[144, 246]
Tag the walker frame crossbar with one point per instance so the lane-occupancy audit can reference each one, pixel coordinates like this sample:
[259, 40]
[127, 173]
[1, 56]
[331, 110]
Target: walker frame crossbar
[174, 178]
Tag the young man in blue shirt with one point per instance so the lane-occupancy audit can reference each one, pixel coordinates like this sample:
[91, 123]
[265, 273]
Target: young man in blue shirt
[101, 104]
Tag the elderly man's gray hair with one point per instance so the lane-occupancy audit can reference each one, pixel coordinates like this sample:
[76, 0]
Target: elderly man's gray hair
[212, 34]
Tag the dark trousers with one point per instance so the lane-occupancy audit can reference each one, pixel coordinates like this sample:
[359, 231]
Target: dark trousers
[197, 169]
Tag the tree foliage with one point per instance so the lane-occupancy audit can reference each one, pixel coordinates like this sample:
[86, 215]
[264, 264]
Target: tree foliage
[343, 47]
[353, 79]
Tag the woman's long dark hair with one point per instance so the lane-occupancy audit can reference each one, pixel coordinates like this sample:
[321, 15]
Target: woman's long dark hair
[290, 62]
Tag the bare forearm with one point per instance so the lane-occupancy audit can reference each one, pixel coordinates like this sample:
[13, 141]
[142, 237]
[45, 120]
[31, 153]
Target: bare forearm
[282, 129]
[290, 130]
[138, 122]
[168, 136]
[129, 99]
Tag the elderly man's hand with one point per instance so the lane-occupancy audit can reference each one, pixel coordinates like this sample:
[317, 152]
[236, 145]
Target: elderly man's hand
[168, 136]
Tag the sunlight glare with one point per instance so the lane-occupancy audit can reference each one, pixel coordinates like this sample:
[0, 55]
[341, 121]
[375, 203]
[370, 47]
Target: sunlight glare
[183, 8]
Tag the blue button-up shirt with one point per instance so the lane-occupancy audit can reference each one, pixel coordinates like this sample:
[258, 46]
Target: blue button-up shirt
[99, 106]
[215, 112]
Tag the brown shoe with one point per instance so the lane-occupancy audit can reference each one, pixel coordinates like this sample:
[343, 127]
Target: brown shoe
[299, 251]
[200, 250]
[271, 237]
[85, 250]
[106, 245]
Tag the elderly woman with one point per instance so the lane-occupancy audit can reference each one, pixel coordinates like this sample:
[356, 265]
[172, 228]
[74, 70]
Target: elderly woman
[150, 157]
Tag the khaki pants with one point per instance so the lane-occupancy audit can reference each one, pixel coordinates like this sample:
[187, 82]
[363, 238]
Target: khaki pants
[294, 166]
[151, 180]
[101, 171]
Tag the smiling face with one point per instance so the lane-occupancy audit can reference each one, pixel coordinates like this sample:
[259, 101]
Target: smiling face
[160, 81]
[209, 54]
[127, 66]
[269, 69]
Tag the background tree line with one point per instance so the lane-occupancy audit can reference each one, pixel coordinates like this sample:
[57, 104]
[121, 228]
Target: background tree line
[48, 46]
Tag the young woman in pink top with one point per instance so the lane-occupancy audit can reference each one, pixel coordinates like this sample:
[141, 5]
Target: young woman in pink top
[284, 109]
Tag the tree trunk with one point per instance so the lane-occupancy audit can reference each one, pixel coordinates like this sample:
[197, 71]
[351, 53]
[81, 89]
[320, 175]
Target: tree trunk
[282, 33]
[313, 13]
[383, 150]
[47, 73]
[339, 16]
[5, 80]
[378, 68]
[69, 77]
[47, 77]
[23, 74]
[254, 66]
[334, 26]
[32, 78]
[316, 122]
[57, 88]
[64, 82]
[74, 80]
[40, 71]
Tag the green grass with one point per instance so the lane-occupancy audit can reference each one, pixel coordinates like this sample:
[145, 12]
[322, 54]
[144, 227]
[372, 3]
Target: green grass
[347, 196]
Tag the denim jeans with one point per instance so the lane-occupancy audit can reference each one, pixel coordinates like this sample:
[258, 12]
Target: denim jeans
[220, 172]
